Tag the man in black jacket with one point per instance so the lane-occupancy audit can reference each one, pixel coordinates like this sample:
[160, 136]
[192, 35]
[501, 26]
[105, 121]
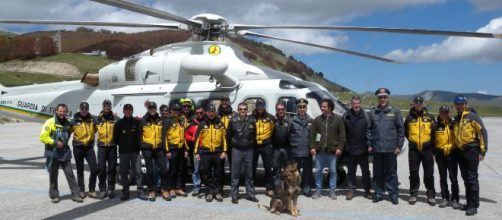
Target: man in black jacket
[356, 148]
[280, 142]
[241, 133]
[126, 136]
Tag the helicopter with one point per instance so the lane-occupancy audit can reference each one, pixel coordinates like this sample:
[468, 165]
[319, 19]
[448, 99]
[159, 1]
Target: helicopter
[204, 69]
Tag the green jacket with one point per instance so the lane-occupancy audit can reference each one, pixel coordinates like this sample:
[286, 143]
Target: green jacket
[327, 134]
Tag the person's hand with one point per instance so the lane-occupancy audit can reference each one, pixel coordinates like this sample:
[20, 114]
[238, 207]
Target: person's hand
[313, 152]
[397, 151]
[481, 157]
[60, 145]
[338, 152]
[223, 155]
[197, 156]
[370, 149]
[168, 155]
[186, 154]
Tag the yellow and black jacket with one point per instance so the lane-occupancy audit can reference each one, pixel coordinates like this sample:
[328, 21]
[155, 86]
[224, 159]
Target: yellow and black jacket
[418, 128]
[173, 133]
[55, 129]
[470, 132]
[104, 126]
[211, 136]
[150, 129]
[444, 140]
[226, 115]
[264, 127]
[83, 129]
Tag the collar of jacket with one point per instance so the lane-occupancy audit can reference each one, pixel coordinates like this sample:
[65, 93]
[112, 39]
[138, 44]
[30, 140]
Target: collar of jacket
[415, 113]
[297, 118]
[57, 121]
[443, 122]
[384, 110]
[225, 111]
[107, 117]
[85, 118]
[284, 119]
[259, 116]
[216, 120]
[330, 118]
[152, 117]
[354, 113]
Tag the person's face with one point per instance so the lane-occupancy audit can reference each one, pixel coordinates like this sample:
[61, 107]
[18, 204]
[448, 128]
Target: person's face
[175, 113]
[460, 107]
[383, 100]
[152, 110]
[418, 106]
[199, 113]
[84, 111]
[325, 108]
[225, 103]
[211, 114]
[61, 112]
[107, 109]
[260, 109]
[356, 105]
[243, 110]
[302, 110]
[280, 111]
[186, 108]
[128, 112]
[164, 112]
[444, 115]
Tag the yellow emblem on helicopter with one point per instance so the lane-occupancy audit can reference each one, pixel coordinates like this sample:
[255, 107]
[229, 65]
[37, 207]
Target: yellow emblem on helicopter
[214, 49]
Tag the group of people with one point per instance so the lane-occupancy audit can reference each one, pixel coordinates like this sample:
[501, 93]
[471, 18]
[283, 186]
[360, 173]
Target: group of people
[206, 136]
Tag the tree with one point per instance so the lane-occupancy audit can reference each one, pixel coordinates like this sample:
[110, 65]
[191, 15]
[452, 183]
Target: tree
[24, 48]
[46, 46]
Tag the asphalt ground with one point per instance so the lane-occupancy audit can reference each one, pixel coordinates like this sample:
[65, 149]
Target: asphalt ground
[24, 191]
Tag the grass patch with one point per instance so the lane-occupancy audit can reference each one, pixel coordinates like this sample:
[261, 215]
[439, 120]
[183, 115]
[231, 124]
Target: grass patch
[20, 79]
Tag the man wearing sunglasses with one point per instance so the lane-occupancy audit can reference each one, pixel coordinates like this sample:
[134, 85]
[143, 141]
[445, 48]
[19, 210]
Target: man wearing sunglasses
[280, 142]
[83, 127]
[190, 139]
[264, 129]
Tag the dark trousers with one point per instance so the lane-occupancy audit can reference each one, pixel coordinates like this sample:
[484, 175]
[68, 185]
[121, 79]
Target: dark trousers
[107, 164]
[448, 167]
[242, 160]
[81, 152]
[266, 152]
[157, 156]
[468, 161]
[305, 165]
[279, 160]
[53, 177]
[128, 164]
[385, 174]
[176, 168]
[210, 168]
[362, 161]
[425, 157]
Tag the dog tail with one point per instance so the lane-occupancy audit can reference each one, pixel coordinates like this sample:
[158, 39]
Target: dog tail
[263, 207]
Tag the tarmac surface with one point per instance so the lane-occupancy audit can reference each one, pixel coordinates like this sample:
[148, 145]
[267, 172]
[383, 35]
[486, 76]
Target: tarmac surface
[24, 186]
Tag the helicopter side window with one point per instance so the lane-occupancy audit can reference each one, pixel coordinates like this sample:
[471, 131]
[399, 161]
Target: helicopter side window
[251, 102]
[290, 104]
[130, 68]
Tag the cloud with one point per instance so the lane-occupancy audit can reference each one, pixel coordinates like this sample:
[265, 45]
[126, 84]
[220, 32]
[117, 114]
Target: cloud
[486, 5]
[457, 48]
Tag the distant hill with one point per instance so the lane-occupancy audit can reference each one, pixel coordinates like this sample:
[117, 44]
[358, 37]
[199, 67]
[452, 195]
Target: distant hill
[445, 96]
[4, 33]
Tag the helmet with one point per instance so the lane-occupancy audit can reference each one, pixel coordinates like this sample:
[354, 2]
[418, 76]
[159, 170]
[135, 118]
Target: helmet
[460, 99]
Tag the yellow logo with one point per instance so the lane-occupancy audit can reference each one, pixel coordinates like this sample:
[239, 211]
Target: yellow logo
[214, 49]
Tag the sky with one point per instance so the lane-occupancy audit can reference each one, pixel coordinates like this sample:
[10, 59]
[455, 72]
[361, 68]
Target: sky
[430, 62]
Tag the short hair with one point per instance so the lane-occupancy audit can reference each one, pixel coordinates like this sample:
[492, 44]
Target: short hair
[243, 104]
[355, 98]
[200, 107]
[331, 104]
[62, 105]
[281, 103]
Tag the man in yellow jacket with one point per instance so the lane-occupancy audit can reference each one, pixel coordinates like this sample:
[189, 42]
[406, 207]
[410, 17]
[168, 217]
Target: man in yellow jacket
[446, 158]
[55, 135]
[83, 127]
[210, 149]
[471, 138]
[264, 129]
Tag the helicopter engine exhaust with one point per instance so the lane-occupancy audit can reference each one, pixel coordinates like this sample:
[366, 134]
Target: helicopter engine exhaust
[90, 79]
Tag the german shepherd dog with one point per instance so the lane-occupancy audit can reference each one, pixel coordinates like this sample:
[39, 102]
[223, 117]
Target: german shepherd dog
[287, 193]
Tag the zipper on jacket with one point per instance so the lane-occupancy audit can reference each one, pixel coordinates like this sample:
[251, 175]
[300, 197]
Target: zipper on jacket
[326, 136]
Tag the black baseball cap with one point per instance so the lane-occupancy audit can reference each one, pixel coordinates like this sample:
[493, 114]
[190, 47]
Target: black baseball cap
[175, 106]
[444, 108]
[260, 103]
[128, 107]
[211, 108]
[107, 102]
[152, 105]
[418, 100]
[84, 105]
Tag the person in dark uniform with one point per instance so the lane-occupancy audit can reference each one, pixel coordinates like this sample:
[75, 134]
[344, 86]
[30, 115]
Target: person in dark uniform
[241, 133]
[280, 142]
[264, 130]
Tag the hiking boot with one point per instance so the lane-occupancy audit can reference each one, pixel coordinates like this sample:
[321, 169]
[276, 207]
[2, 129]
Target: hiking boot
[455, 205]
[102, 195]
[195, 192]
[55, 200]
[307, 193]
[349, 195]
[124, 197]
[141, 194]
[151, 196]
[394, 200]
[377, 199]
[252, 199]
[166, 195]
[172, 193]
[270, 193]
[92, 194]
[111, 194]
[219, 198]
[181, 192]
[412, 200]
[332, 195]
[368, 194]
[471, 211]
[431, 201]
[316, 195]
[82, 195]
[235, 200]
[443, 203]
[209, 197]
[77, 199]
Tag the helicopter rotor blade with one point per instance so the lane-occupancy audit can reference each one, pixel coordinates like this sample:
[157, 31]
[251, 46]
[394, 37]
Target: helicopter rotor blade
[369, 56]
[238, 27]
[149, 11]
[92, 23]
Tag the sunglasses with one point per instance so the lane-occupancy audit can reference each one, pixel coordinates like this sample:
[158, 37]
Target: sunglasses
[164, 110]
[243, 109]
[187, 106]
[302, 107]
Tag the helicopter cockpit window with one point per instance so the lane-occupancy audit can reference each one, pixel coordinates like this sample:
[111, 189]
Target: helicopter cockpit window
[130, 69]
[318, 96]
[290, 104]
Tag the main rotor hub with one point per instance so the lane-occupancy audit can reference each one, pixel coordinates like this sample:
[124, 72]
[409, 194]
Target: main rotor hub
[213, 26]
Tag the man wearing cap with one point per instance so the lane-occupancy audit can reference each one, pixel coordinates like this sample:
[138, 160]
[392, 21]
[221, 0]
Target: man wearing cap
[210, 149]
[264, 130]
[226, 113]
[190, 139]
[299, 142]
[418, 129]
[327, 139]
[126, 136]
[83, 127]
[107, 150]
[153, 150]
[446, 159]
[280, 142]
[385, 136]
[173, 134]
[55, 135]
[164, 114]
[471, 138]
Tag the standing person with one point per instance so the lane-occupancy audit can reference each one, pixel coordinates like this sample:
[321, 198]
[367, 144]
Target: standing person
[107, 150]
[299, 131]
[55, 135]
[471, 138]
[327, 139]
[446, 158]
[280, 142]
[83, 127]
[190, 139]
[153, 151]
[264, 130]
[356, 148]
[164, 114]
[210, 149]
[241, 134]
[173, 133]
[226, 113]
[126, 136]
[385, 137]
[418, 129]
